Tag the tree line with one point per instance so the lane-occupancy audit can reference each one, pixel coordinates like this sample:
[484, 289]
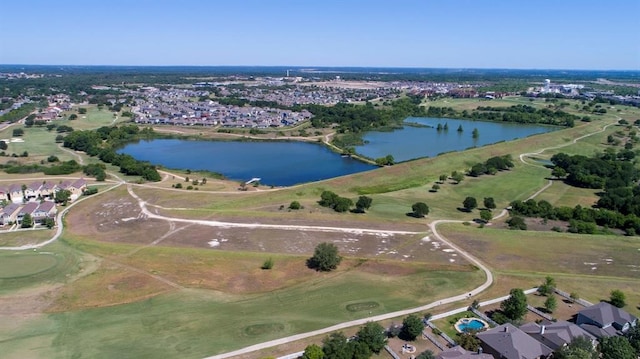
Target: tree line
[516, 114]
[619, 202]
[103, 142]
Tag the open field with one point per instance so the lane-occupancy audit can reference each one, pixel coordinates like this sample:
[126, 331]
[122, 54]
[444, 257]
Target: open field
[190, 290]
[590, 265]
[170, 325]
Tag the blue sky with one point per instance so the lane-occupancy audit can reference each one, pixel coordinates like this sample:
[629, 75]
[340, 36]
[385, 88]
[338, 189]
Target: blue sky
[523, 34]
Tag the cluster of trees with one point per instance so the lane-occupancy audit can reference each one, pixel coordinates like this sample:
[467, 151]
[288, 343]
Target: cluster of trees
[581, 219]
[608, 170]
[102, 142]
[18, 113]
[619, 202]
[492, 166]
[516, 113]
[369, 340]
[62, 168]
[343, 204]
[356, 119]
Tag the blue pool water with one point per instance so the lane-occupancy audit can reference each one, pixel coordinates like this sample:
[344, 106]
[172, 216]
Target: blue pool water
[472, 324]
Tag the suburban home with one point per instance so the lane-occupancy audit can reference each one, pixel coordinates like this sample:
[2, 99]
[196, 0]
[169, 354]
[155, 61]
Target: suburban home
[9, 213]
[4, 193]
[508, 342]
[15, 193]
[48, 190]
[46, 209]
[32, 191]
[76, 187]
[459, 352]
[28, 208]
[605, 320]
[555, 335]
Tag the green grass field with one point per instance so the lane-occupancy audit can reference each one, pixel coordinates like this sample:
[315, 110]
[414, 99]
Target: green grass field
[194, 323]
[25, 264]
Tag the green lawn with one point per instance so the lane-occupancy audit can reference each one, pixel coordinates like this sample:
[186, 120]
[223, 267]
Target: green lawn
[194, 323]
[55, 264]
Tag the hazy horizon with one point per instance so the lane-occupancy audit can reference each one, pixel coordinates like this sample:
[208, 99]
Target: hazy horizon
[457, 34]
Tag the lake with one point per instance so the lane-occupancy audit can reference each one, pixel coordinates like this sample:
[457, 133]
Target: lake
[415, 142]
[281, 163]
[276, 163]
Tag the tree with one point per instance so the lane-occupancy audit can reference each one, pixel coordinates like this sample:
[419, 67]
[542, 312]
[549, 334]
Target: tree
[547, 287]
[443, 177]
[633, 335]
[82, 110]
[616, 348]
[363, 204]
[18, 132]
[579, 348]
[470, 203]
[460, 128]
[328, 199]
[517, 222]
[617, 298]
[372, 334]
[295, 205]
[73, 117]
[515, 307]
[468, 340]
[485, 215]
[574, 296]
[457, 177]
[27, 221]
[268, 264]
[475, 133]
[359, 350]
[420, 209]
[3, 145]
[427, 354]
[335, 346]
[558, 172]
[435, 188]
[313, 351]
[412, 326]
[342, 204]
[489, 203]
[62, 196]
[49, 222]
[325, 257]
[550, 304]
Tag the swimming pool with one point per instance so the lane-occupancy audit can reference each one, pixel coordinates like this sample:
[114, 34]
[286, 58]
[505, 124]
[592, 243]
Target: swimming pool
[470, 324]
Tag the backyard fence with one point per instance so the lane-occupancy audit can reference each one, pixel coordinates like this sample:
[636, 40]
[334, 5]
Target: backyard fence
[443, 335]
[566, 295]
[391, 352]
[434, 340]
[483, 316]
[539, 312]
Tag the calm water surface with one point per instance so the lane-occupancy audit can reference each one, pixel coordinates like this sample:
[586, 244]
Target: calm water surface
[289, 163]
[276, 163]
[415, 142]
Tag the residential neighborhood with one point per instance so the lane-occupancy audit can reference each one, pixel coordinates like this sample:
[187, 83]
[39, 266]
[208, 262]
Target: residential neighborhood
[36, 199]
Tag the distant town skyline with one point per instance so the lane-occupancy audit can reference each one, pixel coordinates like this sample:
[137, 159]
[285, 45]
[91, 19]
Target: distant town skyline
[570, 34]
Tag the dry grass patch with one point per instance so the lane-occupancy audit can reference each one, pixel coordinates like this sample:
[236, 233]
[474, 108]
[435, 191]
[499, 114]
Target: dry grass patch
[24, 237]
[109, 285]
[549, 252]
